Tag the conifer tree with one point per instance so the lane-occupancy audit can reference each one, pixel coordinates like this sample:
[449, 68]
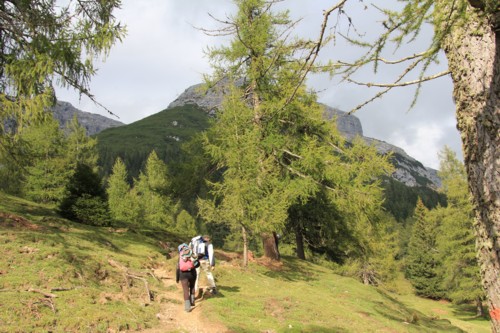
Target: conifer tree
[270, 139]
[85, 199]
[81, 148]
[118, 193]
[152, 190]
[467, 31]
[185, 223]
[422, 263]
[43, 43]
[462, 280]
[46, 171]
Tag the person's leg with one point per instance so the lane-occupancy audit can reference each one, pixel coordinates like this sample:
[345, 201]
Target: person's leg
[192, 283]
[198, 271]
[210, 277]
[185, 289]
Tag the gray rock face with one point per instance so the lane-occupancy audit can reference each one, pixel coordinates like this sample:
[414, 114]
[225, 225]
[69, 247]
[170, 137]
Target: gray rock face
[347, 124]
[408, 170]
[93, 123]
[210, 100]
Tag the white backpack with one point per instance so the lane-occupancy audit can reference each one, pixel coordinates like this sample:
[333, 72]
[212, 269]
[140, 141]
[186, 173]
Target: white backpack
[198, 245]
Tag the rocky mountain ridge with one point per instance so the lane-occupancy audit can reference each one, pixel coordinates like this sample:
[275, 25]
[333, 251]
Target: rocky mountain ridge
[93, 123]
[408, 170]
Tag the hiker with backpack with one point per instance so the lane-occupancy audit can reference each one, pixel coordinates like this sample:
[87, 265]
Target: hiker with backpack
[204, 249]
[186, 273]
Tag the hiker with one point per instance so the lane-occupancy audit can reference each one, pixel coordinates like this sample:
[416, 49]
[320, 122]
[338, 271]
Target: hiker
[186, 273]
[202, 246]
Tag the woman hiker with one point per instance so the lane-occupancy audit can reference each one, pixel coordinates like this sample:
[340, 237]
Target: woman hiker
[186, 274]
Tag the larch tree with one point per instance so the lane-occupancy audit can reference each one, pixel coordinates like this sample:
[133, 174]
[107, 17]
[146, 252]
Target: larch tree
[45, 169]
[43, 43]
[270, 138]
[468, 32]
[80, 147]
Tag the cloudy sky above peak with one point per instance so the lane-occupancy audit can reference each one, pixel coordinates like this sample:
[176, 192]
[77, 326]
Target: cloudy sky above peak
[162, 55]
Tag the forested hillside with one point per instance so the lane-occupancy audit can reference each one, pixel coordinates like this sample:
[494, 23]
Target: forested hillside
[166, 131]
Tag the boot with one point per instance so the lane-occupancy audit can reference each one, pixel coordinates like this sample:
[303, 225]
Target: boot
[191, 298]
[187, 306]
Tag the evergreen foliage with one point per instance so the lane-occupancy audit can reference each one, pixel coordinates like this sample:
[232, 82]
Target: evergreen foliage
[81, 148]
[185, 223]
[85, 201]
[422, 261]
[461, 278]
[165, 132]
[400, 200]
[46, 167]
[43, 42]
[118, 194]
[152, 191]
[270, 139]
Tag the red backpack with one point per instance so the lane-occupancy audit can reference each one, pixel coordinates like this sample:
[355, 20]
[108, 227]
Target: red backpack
[185, 264]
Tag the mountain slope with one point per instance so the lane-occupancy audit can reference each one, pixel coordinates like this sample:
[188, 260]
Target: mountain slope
[164, 132]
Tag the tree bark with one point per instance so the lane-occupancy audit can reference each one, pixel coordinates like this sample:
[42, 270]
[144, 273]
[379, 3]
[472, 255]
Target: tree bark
[270, 246]
[479, 307]
[299, 243]
[245, 246]
[473, 52]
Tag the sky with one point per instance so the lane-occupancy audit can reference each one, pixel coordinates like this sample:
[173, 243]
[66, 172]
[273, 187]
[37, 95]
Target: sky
[163, 54]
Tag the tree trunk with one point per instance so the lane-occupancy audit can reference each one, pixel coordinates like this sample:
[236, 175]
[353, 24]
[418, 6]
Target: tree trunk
[479, 307]
[245, 246]
[473, 52]
[299, 243]
[270, 246]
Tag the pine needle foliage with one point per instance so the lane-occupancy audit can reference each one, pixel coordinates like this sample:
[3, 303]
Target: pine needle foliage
[47, 42]
[270, 139]
[423, 260]
[457, 240]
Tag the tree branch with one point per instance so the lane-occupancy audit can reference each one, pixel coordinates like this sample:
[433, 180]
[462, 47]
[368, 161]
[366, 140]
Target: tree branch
[401, 84]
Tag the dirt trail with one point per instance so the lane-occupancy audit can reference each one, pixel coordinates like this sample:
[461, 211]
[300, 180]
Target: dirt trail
[172, 316]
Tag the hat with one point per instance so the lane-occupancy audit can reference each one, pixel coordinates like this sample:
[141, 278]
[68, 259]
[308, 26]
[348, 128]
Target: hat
[186, 252]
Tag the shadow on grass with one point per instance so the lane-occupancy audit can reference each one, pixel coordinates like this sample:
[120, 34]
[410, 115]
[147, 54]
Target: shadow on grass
[395, 310]
[306, 329]
[25, 208]
[467, 312]
[293, 269]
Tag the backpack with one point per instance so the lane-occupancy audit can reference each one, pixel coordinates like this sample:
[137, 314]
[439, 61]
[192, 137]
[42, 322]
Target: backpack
[185, 261]
[185, 264]
[198, 245]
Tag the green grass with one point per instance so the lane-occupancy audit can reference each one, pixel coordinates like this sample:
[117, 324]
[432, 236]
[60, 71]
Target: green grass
[45, 253]
[303, 297]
